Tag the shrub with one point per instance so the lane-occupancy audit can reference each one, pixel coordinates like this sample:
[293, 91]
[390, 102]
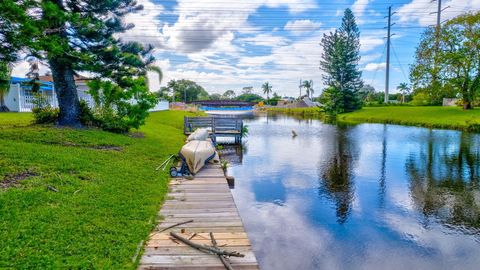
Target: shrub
[118, 109]
[421, 99]
[45, 115]
[86, 115]
[43, 112]
[332, 102]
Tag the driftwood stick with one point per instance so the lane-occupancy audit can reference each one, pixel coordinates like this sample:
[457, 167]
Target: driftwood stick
[175, 225]
[206, 248]
[224, 260]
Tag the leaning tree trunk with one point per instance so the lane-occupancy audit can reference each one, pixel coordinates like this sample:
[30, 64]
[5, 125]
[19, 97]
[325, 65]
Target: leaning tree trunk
[467, 105]
[67, 96]
[3, 106]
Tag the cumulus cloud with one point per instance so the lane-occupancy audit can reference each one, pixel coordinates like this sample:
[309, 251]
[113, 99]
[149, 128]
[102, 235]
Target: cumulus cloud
[147, 25]
[419, 10]
[268, 40]
[299, 27]
[374, 66]
[360, 6]
[21, 68]
[201, 24]
[370, 41]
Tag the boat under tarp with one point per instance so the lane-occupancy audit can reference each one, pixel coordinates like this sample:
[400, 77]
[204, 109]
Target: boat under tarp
[197, 153]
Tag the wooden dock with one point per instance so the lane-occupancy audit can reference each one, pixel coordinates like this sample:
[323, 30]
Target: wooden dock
[207, 201]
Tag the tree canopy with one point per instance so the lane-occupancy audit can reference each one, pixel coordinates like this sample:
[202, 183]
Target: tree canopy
[73, 36]
[452, 68]
[250, 97]
[340, 57]
[185, 90]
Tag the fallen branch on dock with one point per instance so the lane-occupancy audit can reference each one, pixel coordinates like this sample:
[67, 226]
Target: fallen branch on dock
[206, 248]
[224, 260]
[175, 225]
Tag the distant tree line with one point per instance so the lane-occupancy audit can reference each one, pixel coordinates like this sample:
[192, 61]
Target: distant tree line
[187, 90]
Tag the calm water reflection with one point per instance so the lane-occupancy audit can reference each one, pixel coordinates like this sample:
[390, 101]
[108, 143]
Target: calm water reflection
[359, 197]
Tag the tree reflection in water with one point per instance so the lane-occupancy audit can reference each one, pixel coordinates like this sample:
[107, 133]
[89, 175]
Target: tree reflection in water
[335, 175]
[444, 180]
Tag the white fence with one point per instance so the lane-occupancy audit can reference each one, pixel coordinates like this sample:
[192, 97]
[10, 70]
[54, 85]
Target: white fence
[26, 101]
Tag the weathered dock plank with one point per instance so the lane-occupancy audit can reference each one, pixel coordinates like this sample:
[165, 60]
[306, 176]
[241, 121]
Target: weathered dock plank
[208, 202]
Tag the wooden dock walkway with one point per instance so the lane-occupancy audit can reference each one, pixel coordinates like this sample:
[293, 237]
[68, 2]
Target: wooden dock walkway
[208, 201]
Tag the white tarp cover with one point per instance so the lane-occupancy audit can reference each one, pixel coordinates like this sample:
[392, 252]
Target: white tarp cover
[196, 153]
[200, 134]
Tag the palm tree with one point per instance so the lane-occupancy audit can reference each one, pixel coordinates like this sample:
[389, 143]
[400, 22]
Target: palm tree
[308, 85]
[267, 89]
[404, 89]
[156, 70]
[172, 85]
[5, 72]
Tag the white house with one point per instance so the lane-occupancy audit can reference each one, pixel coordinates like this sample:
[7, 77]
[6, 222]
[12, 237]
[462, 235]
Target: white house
[20, 97]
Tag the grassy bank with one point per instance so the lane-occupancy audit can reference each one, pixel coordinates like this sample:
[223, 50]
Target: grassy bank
[431, 117]
[301, 112]
[80, 198]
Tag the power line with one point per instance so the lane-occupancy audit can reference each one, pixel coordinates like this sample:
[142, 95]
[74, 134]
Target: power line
[376, 70]
[399, 64]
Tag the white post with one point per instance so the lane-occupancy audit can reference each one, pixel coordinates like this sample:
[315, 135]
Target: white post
[54, 97]
[19, 98]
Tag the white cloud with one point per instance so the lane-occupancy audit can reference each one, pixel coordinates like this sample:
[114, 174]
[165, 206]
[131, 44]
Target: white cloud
[374, 66]
[265, 40]
[369, 58]
[146, 23]
[359, 7]
[299, 27]
[419, 10]
[21, 68]
[371, 40]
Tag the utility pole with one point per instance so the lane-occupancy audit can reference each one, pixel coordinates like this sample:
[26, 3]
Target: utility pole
[439, 22]
[387, 70]
[437, 41]
[439, 14]
[300, 87]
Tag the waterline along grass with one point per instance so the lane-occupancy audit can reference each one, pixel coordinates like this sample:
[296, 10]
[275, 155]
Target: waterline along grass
[80, 198]
[430, 117]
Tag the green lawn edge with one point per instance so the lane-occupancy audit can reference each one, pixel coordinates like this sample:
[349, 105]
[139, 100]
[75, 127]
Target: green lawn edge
[429, 117]
[108, 195]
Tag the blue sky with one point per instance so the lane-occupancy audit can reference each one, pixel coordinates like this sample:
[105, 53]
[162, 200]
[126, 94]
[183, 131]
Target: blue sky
[231, 44]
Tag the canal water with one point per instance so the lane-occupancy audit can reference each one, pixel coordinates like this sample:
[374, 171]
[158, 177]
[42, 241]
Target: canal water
[368, 196]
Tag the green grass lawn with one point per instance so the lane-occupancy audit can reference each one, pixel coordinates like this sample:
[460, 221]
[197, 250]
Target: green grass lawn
[432, 117]
[108, 192]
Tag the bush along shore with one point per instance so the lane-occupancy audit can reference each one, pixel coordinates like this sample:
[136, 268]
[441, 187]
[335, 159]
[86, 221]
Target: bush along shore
[315, 113]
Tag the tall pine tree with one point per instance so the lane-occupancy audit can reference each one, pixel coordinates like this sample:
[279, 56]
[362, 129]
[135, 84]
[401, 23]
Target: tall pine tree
[79, 35]
[341, 54]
